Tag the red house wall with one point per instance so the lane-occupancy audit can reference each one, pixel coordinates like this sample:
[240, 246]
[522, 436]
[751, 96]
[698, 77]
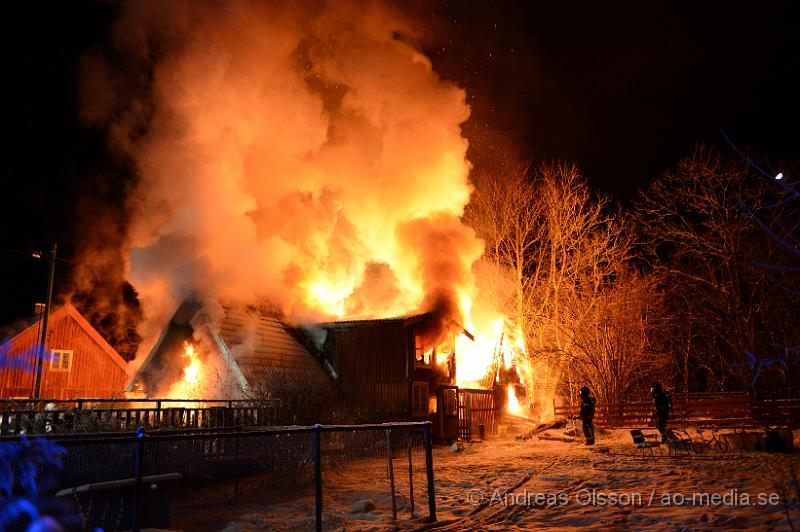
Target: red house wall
[94, 372]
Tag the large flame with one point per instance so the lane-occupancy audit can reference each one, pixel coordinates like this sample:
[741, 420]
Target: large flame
[512, 404]
[305, 154]
[190, 383]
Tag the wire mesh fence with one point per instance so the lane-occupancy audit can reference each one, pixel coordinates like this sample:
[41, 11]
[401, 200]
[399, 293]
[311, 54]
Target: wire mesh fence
[290, 477]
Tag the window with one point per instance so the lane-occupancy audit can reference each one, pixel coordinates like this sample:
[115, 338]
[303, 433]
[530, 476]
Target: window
[419, 399]
[60, 360]
[423, 355]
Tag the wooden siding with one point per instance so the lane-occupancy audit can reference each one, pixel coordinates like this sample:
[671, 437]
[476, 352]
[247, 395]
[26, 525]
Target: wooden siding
[372, 366]
[94, 372]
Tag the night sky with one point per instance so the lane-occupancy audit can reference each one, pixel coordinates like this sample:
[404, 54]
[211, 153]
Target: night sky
[624, 90]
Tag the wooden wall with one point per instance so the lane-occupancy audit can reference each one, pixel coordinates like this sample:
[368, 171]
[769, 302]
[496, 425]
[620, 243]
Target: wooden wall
[94, 373]
[371, 364]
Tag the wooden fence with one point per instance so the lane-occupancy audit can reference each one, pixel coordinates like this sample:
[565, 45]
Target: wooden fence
[110, 416]
[729, 410]
[477, 407]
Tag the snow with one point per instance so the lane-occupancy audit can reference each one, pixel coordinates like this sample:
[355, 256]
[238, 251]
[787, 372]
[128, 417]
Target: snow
[508, 483]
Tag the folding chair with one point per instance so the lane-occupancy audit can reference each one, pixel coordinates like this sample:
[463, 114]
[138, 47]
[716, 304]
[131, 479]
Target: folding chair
[679, 440]
[641, 442]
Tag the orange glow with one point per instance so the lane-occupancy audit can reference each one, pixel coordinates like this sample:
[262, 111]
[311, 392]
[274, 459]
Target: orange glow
[188, 387]
[512, 404]
[334, 191]
[328, 298]
[474, 359]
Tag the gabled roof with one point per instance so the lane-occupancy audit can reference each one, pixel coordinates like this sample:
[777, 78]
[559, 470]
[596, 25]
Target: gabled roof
[275, 347]
[405, 320]
[67, 309]
[253, 344]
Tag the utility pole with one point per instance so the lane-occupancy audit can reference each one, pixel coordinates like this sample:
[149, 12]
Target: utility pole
[40, 359]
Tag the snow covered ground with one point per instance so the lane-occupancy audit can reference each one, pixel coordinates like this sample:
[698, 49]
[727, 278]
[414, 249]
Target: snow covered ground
[506, 483]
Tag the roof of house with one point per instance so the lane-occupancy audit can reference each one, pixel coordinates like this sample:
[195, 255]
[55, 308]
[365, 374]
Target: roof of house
[254, 344]
[68, 310]
[405, 319]
[275, 349]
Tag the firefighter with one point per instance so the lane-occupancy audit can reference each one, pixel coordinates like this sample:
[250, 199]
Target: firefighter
[587, 415]
[662, 402]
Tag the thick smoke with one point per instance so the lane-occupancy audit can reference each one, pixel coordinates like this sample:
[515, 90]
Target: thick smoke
[301, 153]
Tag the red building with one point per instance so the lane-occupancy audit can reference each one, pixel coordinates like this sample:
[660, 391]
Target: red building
[78, 362]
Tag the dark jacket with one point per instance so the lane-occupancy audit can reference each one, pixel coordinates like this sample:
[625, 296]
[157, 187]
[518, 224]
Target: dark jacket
[587, 409]
[663, 402]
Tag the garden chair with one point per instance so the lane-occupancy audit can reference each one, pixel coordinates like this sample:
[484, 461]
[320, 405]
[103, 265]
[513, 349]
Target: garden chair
[642, 443]
[679, 440]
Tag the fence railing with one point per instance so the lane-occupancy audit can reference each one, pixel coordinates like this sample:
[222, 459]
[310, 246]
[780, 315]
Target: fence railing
[734, 410]
[292, 477]
[104, 415]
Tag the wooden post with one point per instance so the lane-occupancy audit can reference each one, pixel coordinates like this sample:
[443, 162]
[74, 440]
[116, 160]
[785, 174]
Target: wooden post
[40, 359]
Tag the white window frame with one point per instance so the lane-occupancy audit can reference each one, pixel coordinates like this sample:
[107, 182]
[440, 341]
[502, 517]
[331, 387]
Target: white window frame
[59, 365]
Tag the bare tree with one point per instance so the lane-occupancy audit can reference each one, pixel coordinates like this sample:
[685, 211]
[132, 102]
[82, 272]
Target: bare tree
[615, 335]
[564, 250]
[708, 250]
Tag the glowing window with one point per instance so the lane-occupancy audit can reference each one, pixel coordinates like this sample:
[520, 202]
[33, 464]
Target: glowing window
[423, 355]
[60, 360]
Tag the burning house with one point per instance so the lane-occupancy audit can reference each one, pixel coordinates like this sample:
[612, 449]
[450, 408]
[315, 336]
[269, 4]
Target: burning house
[397, 368]
[214, 351]
[324, 171]
[400, 368]
[77, 363]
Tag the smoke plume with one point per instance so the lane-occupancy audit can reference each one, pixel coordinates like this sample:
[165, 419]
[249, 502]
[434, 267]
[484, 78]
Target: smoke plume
[300, 153]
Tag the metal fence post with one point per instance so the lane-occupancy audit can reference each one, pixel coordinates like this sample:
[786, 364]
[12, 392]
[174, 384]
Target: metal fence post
[410, 477]
[391, 472]
[137, 486]
[426, 436]
[236, 462]
[317, 455]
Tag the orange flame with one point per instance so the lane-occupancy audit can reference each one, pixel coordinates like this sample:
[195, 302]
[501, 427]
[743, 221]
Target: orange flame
[188, 386]
[336, 190]
[512, 404]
